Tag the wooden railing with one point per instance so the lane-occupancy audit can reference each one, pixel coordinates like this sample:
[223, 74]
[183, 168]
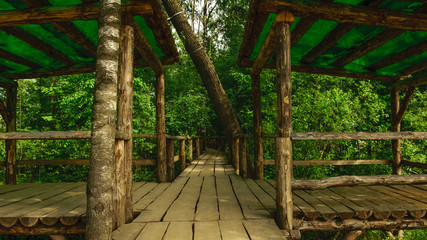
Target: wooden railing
[238, 148]
[75, 135]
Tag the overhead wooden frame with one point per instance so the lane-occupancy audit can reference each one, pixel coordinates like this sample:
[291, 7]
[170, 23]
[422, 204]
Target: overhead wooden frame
[316, 58]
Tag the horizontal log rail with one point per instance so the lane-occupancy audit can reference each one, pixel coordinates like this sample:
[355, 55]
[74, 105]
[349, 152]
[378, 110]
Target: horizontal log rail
[330, 162]
[348, 136]
[358, 180]
[414, 164]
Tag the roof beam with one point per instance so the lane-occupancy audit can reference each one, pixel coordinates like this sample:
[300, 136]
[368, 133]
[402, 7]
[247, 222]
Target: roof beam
[414, 68]
[68, 29]
[368, 46]
[300, 29]
[7, 83]
[400, 56]
[18, 59]
[52, 14]
[267, 49]
[342, 13]
[410, 82]
[405, 104]
[38, 44]
[144, 47]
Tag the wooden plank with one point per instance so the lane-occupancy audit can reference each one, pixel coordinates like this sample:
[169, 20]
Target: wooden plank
[208, 169]
[263, 229]
[179, 231]
[342, 211]
[229, 170]
[206, 231]
[250, 205]
[326, 212]
[397, 209]
[231, 230]
[143, 190]
[153, 231]
[207, 207]
[156, 210]
[128, 231]
[412, 190]
[219, 168]
[228, 206]
[265, 199]
[379, 211]
[422, 186]
[13, 188]
[142, 203]
[361, 212]
[184, 207]
[13, 197]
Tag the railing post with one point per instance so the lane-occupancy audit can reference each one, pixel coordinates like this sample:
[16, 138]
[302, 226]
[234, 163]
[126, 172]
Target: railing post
[243, 166]
[182, 154]
[395, 127]
[284, 202]
[258, 149]
[161, 129]
[198, 146]
[11, 99]
[235, 154]
[170, 159]
[190, 150]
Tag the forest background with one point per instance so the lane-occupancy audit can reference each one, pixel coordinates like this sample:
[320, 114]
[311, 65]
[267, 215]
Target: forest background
[320, 103]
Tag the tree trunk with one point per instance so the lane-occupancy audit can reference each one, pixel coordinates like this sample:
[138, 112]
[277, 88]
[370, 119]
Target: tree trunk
[101, 168]
[205, 68]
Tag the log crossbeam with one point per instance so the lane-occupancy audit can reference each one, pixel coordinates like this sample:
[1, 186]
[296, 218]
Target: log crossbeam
[410, 82]
[4, 113]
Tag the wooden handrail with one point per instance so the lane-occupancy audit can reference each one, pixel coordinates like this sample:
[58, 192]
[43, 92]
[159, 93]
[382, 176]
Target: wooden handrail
[330, 162]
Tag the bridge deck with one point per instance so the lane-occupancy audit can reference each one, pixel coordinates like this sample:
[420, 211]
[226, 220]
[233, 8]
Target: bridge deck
[209, 201]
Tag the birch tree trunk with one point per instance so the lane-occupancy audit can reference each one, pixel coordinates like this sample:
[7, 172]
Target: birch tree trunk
[101, 175]
[205, 68]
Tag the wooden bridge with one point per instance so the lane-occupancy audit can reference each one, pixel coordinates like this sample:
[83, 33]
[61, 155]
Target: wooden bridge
[208, 200]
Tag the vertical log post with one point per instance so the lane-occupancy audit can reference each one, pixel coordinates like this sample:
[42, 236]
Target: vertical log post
[11, 99]
[182, 154]
[198, 146]
[100, 185]
[395, 127]
[161, 129]
[243, 166]
[170, 159]
[123, 150]
[235, 154]
[190, 150]
[258, 149]
[283, 153]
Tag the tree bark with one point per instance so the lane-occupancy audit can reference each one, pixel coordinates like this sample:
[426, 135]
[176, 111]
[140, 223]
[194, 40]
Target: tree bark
[161, 129]
[101, 170]
[11, 99]
[205, 68]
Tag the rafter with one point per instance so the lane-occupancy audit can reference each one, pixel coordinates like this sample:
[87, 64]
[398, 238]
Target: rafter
[265, 53]
[144, 47]
[38, 44]
[52, 14]
[18, 59]
[342, 13]
[415, 68]
[300, 29]
[368, 46]
[400, 56]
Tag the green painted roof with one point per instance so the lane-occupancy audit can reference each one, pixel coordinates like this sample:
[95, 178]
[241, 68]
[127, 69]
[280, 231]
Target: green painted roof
[21, 57]
[358, 35]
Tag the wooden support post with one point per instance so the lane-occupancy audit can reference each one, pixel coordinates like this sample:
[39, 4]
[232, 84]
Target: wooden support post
[123, 150]
[283, 153]
[100, 201]
[235, 154]
[258, 149]
[182, 154]
[170, 159]
[243, 166]
[190, 150]
[198, 146]
[161, 129]
[11, 99]
[395, 127]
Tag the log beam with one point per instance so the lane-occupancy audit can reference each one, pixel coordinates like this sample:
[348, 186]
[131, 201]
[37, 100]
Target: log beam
[190, 150]
[182, 154]
[345, 13]
[284, 202]
[395, 127]
[359, 136]
[301, 28]
[11, 100]
[170, 160]
[51, 14]
[161, 129]
[243, 163]
[123, 165]
[405, 104]
[18, 59]
[258, 148]
[410, 82]
[235, 154]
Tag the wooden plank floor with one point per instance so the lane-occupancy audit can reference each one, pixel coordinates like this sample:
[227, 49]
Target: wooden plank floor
[209, 201]
[206, 201]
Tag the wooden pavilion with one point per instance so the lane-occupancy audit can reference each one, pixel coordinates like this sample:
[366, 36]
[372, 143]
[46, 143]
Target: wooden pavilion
[383, 40]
